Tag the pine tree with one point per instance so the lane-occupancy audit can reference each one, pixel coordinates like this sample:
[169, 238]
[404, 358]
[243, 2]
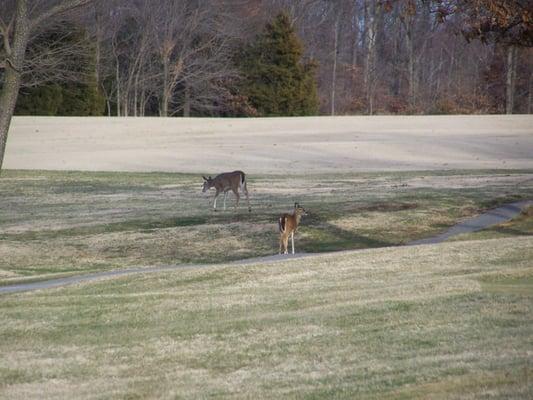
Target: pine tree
[276, 81]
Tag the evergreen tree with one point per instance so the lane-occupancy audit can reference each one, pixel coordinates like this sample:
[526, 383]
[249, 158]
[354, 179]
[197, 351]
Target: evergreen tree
[276, 81]
[42, 100]
[79, 98]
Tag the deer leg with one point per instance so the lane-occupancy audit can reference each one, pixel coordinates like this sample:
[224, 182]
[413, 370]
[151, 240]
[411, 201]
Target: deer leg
[292, 241]
[286, 244]
[225, 194]
[215, 203]
[236, 191]
[280, 244]
[245, 190]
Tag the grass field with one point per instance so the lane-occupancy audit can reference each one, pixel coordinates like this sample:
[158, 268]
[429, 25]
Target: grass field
[61, 223]
[282, 146]
[452, 320]
[448, 321]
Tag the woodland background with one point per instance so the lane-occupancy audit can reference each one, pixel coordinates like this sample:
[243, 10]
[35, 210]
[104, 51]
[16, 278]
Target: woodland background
[214, 58]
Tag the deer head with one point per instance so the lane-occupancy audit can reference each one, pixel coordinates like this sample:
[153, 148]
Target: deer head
[208, 183]
[299, 210]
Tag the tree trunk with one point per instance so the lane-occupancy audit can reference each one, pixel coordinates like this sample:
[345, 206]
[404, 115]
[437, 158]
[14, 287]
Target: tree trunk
[166, 95]
[335, 55]
[368, 35]
[12, 75]
[117, 77]
[355, 44]
[187, 102]
[141, 104]
[411, 64]
[136, 105]
[125, 100]
[510, 82]
[530, 95]
[370, 64]
[98, 48]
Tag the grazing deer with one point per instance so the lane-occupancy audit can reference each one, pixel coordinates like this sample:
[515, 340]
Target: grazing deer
[225, 182]
[288, 223]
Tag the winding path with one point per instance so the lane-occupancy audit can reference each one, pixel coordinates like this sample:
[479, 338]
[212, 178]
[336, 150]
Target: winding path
[490, 218]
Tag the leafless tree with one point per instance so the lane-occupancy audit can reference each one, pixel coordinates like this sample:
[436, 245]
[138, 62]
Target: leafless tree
[177, 57]
[194, 51]
[19, 21]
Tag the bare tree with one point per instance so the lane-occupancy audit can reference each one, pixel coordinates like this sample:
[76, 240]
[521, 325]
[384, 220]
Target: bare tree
[19, 20]
[511, 78]
[194, 51]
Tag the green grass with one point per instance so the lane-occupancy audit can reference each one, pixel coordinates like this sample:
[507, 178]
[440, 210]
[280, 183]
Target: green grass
[439, 321]
[60, 223]
[522, 225]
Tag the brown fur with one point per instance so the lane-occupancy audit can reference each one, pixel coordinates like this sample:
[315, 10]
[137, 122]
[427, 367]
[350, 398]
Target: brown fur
[225, 182]
[288, 224]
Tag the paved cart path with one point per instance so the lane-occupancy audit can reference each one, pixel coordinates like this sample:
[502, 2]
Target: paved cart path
[490, 218]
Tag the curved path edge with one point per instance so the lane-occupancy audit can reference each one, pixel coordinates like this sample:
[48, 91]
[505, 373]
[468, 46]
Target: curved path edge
[492, 217]
[483, 221]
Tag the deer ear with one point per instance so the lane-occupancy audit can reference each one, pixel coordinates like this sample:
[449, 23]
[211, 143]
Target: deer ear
[296, 205]
[210, 178]
[204, 178]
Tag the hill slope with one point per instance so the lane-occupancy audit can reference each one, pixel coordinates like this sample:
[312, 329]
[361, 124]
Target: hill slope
[447, 321]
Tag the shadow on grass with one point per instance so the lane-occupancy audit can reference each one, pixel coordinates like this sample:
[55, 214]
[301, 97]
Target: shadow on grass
[123, 226]
[509, 231]
[141, 225]
[323, 236]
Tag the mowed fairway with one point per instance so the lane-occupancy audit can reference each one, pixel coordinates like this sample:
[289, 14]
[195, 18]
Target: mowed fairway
[380, 321]
[443, 321]
[58, 223]
[288, 146]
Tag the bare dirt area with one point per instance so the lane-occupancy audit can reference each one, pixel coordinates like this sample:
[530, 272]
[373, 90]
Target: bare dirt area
[272, 145]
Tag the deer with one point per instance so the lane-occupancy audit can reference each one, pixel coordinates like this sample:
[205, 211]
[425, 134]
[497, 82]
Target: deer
[288, 223]
[224, 183]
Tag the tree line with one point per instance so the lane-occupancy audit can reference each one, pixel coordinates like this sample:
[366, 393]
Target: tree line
[205, 58]
[264, 57]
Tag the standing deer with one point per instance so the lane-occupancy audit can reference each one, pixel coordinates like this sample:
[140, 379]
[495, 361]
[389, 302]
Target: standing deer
[288, 223]
[225, 182]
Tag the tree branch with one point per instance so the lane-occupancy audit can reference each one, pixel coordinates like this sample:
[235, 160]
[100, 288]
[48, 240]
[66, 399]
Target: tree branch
[64, 6]
[4, 32]
[10, 63]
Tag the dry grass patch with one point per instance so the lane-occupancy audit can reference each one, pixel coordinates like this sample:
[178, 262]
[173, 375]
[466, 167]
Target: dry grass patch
[61, 223]
[407, 322]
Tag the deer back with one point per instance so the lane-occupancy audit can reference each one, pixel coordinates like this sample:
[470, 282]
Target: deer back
[288, 223]
[228, 180]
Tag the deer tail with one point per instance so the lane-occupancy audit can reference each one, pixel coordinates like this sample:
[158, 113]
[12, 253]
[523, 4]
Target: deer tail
[243, 181]
[281, 224]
